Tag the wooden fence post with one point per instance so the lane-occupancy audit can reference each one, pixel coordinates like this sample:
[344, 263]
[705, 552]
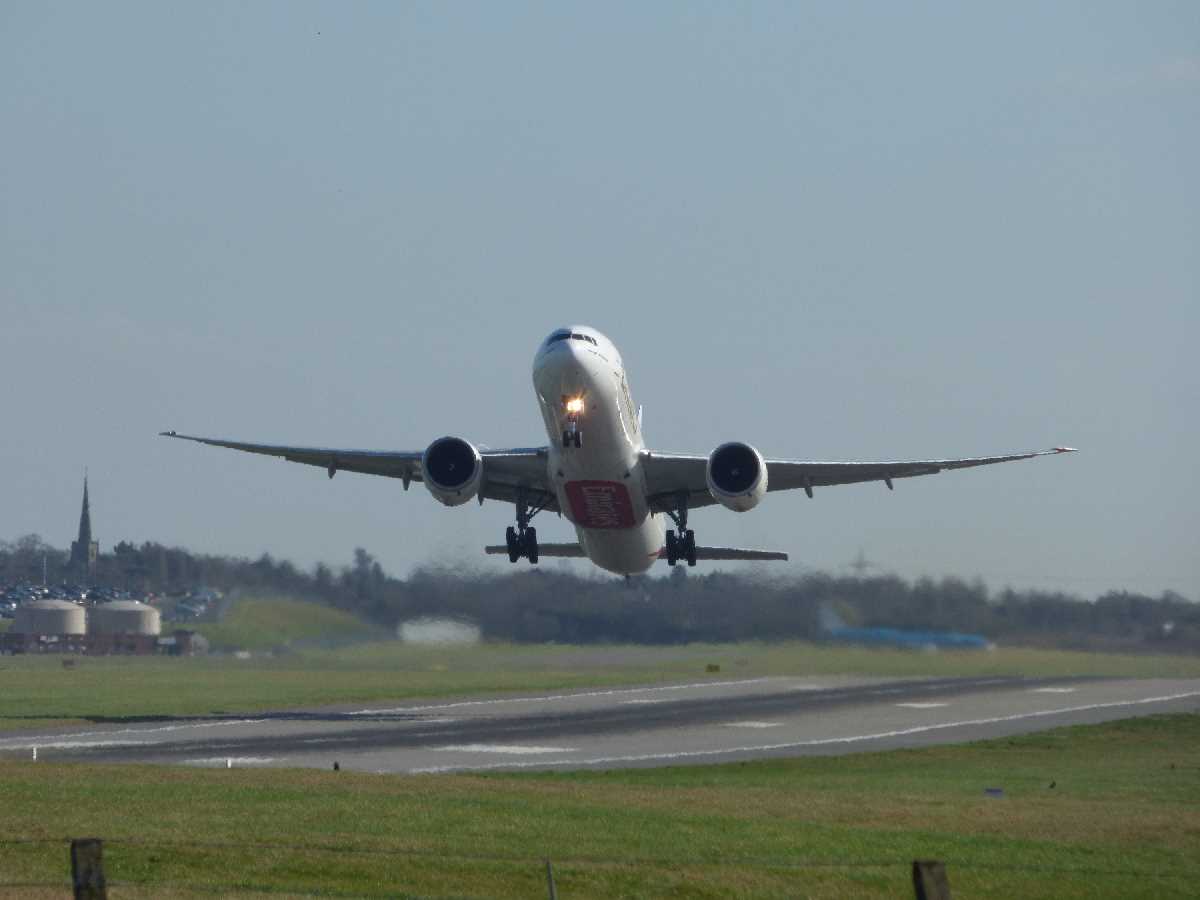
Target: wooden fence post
[929, 880]
[87, 869]
[550, 881]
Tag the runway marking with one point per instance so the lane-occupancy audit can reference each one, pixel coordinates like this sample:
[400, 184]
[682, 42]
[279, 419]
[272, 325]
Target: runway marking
[516, 749]
[645, 700]
[230, 760]
[74, 745]
[45, 739]
[1052, 690]
[922, 705]
[818, 742]
[615, 692]
[751, 724]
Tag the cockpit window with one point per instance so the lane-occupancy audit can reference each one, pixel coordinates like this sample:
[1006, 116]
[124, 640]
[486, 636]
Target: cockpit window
[572, 335]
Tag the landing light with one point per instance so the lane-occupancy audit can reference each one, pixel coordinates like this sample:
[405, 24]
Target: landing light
[575, 405]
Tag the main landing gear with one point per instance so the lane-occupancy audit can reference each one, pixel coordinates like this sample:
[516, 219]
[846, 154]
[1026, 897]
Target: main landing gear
[681, 544]
[522, 540]
[522, 543]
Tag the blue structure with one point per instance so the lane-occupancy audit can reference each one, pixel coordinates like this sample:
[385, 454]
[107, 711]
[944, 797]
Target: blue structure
[896, 637]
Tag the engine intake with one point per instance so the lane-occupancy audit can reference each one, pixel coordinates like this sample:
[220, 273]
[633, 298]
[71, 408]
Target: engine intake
[736, 476]
[452, 470]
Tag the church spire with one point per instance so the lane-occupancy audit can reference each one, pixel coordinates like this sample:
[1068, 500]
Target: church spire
[85, 551]
[85, 517]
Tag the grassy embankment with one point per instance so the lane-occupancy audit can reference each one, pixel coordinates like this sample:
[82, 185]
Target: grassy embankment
[38, 691]
[279, 624]
[1123, 820]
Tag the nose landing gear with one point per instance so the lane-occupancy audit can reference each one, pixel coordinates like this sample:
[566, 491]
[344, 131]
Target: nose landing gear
[572, 436]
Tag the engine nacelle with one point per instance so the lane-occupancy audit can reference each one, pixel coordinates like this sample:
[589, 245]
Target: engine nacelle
[452, 470]
[736, 476]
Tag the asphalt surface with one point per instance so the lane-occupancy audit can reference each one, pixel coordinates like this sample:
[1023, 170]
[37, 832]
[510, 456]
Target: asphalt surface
[704, 722]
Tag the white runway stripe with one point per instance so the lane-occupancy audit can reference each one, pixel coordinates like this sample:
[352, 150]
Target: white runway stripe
[615, 692]
[1052, 690]
[45, 740]
[515, 749]
[751, 724]
[644, 700]
[922, 705]
[75, 745]
[818, 742]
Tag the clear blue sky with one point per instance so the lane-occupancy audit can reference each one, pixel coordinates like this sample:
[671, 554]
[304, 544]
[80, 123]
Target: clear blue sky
[836, 231]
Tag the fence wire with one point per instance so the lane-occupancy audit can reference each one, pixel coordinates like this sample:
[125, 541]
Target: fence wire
[564, 863]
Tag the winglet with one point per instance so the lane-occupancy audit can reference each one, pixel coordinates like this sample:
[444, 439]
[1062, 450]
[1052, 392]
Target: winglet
[1066, 449]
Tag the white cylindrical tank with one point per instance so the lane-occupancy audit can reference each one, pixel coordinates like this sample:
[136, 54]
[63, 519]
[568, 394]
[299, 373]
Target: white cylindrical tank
[49, 617]
[124, 617]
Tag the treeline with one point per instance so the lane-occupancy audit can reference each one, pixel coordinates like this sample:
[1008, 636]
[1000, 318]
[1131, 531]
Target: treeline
[550, 604]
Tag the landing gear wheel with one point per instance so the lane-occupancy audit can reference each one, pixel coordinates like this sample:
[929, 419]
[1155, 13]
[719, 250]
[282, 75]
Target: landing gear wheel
[689, 547]
[573, 439]
[672, 548]
[513, 543]
[529, 540]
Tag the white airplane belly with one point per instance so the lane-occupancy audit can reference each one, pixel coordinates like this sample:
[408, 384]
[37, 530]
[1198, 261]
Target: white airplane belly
[626, 551]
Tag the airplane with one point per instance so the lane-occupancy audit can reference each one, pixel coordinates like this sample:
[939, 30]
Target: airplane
[597, 471]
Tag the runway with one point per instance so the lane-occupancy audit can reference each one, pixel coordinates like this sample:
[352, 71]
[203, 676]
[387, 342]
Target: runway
[708, 721]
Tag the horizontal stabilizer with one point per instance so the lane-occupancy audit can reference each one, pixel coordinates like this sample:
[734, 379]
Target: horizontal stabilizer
[732, 553]
[568, 551]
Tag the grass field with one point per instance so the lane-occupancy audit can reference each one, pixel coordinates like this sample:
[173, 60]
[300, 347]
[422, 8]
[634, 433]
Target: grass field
[1123, 820]
[36, 691]
[271, 623]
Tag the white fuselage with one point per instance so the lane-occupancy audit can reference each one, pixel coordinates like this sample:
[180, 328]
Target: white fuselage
[600, 484]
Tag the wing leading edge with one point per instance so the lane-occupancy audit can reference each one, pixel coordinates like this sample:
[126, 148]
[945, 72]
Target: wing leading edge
[505, 472]
[669, 475]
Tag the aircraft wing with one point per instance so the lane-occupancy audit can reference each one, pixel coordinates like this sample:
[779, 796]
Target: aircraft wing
[669, 475]
[734, 553]
[504, 471]
[560, 551]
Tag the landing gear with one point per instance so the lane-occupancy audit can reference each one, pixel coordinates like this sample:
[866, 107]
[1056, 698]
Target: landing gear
[681, 544]
[522, 540]
[573, 407]
[682, 547]
[521, 543]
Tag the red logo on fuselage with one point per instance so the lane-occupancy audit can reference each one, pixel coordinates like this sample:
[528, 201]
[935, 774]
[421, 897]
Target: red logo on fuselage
[600, 504]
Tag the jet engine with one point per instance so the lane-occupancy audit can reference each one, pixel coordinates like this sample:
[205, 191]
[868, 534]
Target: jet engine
[736, 476]
[452, 470]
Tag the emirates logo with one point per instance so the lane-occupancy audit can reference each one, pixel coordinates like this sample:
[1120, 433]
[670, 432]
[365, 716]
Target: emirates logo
[600, 504]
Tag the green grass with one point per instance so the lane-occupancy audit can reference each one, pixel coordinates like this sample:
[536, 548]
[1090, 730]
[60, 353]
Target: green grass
[273, 623]
[1122, 821]
[38, 690]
